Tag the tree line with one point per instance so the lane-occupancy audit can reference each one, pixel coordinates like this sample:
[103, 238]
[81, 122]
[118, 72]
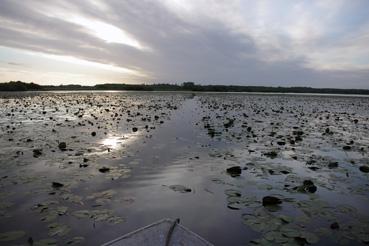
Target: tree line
[185, 86]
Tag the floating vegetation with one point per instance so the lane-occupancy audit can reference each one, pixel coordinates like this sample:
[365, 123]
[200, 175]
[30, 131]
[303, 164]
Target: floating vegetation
[307, 186]
[52, 214]
[72, 198]
[45, 242]
[236, 201]
[102, 215]
[116, 172]
[290, 149]
[11, 235]
[104, 169]
[57, 185]
[234, 171]
[271, 201]
[364, 169]
[278, 229]
[180, 188]
[102, 197]
[294, 169]
[56, 229]
[75, 240]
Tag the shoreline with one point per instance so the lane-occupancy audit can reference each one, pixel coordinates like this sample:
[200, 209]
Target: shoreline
[192, 92]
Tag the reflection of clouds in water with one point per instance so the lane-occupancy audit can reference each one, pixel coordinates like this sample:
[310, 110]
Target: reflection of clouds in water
[115, 143]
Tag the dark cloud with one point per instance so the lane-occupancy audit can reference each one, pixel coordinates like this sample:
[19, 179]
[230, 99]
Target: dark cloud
[179, 50]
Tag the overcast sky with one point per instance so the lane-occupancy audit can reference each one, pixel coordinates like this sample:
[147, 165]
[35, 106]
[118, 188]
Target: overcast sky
[322, 43]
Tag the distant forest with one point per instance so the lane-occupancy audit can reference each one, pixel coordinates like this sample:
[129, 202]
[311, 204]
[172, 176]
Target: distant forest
[186, 86]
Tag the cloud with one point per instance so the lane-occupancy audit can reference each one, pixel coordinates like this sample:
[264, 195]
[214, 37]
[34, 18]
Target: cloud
[287, 43]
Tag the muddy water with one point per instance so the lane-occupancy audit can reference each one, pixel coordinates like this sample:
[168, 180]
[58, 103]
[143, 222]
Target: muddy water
[165, 155]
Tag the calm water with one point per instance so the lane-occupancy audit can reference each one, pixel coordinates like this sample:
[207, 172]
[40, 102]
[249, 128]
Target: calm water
[129, 158]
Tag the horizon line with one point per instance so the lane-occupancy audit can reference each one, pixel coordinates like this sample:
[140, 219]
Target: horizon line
[189, 85]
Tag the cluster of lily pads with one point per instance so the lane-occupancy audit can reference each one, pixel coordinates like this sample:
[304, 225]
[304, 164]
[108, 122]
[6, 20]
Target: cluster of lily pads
[295, 168]
[290, 160]
[53, 144]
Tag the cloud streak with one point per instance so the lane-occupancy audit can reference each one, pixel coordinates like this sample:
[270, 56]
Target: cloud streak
[287, 43]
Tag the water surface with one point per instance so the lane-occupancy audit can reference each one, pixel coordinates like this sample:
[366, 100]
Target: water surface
[132, 158]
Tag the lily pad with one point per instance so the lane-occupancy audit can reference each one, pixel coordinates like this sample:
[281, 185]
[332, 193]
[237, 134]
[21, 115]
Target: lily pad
[271, 201]
[290, 232]
[11, 235]
[49, 217]
[56, 229]
[234, 171]
[231, 192]
[310, 237]
[75, 240]
[180, 188]
[45, 242]
[285, 218]
[104, 169]
[72, 198]
[57, 185]
[81, 214]
[235, 205]
[98, 215]
[102, 197]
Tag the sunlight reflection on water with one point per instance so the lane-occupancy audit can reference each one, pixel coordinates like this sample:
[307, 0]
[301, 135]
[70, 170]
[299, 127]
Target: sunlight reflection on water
[117, 142]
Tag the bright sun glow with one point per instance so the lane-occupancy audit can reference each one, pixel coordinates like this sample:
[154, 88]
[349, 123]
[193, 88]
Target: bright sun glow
[107, 32]
[114, 143]
[86, 63]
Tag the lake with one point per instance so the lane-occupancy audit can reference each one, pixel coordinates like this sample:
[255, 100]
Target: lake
[236, 168]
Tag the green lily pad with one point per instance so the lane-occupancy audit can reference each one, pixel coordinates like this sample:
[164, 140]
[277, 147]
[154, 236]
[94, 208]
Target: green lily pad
[11, 235]
[290, 232]
[310, 237]
[72, 198]
[61, 210]
[75, 240]
[117, 172]
[44, 206]
[56, 229]
[45, 242]
[285, 218]
[106, 215]
[234, 199]
[4, 205]
[98, 215]
[50, 213]
[107, 194]
[102, 197]
[232, 193]
[235, 205]
[81, 214]
[49, 217]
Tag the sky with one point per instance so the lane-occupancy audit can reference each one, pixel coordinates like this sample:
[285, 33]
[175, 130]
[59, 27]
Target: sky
[317, 43]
